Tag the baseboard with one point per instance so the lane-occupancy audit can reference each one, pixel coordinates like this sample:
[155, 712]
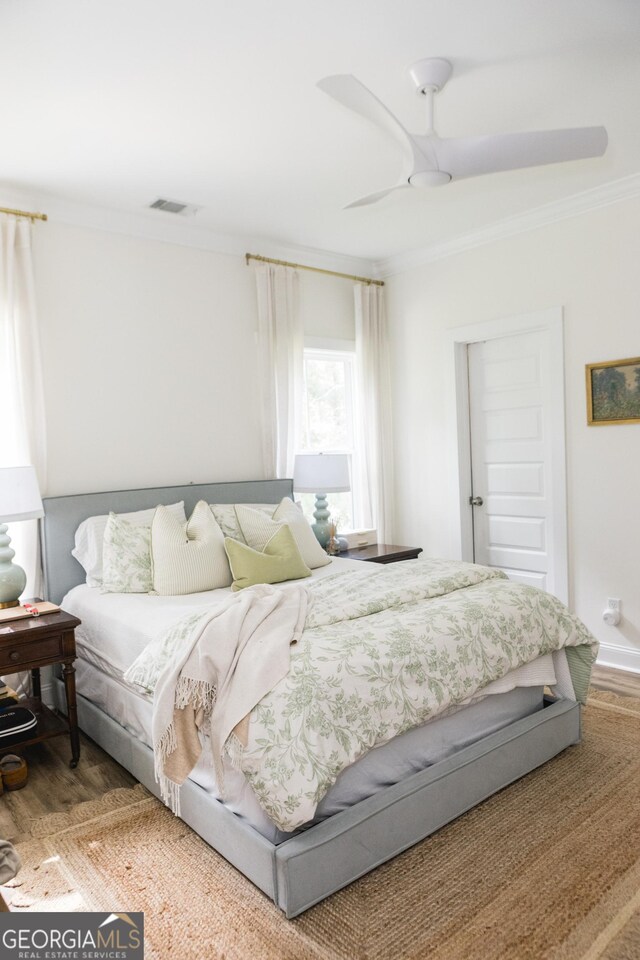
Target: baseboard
[621, 658]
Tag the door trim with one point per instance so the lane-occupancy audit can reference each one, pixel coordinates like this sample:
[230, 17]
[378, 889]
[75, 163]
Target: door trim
[551, 321]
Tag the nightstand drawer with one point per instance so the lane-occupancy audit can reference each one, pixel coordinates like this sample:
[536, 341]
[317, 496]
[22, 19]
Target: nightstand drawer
[23, 654]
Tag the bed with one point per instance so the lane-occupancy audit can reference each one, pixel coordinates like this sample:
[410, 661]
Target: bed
[393, 797]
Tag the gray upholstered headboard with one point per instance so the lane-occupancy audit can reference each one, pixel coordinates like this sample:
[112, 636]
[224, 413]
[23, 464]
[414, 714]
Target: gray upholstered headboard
[62, 515]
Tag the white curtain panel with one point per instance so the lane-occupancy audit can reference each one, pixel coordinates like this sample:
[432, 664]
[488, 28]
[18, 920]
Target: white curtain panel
[374, 464]
[23, 439]
[281, 351]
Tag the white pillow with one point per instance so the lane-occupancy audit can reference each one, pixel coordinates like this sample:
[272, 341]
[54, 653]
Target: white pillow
[258, 530]
[225, 514]
[90, 538]
[126, 557]
[188, 558]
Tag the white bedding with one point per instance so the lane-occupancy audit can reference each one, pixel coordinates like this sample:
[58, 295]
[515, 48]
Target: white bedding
[116, 627]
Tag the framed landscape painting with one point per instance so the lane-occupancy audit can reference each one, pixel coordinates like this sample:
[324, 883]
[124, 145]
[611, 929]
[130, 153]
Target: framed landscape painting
[613, 391]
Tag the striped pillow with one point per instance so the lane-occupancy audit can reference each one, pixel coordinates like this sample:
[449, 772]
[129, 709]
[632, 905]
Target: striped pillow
[258, 530]
[188, 558]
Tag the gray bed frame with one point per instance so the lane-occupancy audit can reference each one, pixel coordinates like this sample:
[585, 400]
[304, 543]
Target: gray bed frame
[301, 871]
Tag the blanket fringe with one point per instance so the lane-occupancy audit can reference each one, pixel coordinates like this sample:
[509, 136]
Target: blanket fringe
[189, 692]
[169, 791]
[200, 694]
[234, 750]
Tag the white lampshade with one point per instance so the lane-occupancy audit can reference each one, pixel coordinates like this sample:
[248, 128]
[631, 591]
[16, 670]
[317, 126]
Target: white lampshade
[19, 494]
[321, 472]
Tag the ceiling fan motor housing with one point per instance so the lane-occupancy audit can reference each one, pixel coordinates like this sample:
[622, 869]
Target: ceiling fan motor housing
[430, 74]
[429, 178]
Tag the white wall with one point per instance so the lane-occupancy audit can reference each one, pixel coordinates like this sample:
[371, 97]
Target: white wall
[588, 265]
[150, 358]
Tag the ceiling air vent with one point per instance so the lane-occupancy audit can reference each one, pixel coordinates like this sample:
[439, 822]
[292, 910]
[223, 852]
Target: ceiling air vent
[173, 206]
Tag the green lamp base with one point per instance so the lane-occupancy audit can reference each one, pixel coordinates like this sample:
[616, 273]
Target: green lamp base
[321, 526]
[13, 579]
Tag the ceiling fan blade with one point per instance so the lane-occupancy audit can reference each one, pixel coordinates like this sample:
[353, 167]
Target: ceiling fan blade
[351, 93]
[374, 197]
[474, 156]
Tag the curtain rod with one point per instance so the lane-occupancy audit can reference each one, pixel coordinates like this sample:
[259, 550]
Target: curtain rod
[302, 266]
[24, 213]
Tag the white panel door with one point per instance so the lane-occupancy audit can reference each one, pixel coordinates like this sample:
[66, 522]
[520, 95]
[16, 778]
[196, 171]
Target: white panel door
[512, 424]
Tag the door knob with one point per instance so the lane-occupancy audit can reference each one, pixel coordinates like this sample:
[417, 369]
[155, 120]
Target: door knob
[476, 501]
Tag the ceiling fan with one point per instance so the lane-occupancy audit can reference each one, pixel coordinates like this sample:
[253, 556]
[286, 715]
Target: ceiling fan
[431, 162]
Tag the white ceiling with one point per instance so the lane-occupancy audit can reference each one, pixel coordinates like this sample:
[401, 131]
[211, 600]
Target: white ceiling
[112, 103]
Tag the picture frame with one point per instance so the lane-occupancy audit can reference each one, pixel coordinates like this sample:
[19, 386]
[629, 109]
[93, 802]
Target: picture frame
[613, 391]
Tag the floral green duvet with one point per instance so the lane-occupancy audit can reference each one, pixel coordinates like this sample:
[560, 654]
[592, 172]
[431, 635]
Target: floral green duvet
[385, 652]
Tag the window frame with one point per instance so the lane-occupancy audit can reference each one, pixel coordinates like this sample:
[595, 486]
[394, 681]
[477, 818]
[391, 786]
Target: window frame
[337, 350]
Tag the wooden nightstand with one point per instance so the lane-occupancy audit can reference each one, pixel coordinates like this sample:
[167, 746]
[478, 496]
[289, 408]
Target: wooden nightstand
[35, 642]
[381, 553]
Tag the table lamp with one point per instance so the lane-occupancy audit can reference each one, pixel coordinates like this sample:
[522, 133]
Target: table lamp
[326, 472]
[19, 500]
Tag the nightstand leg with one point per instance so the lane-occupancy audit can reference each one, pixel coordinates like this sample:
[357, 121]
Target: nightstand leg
[69, 677]
[35, 683]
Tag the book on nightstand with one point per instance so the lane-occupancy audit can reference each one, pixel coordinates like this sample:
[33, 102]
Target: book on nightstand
[18, 613]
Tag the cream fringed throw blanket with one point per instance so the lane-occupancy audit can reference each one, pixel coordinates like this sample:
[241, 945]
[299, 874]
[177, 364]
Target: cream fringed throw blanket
[233, 657]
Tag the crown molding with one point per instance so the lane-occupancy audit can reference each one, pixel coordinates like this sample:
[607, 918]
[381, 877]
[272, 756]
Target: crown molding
[171, 228]
[573, 206]
[184, 231]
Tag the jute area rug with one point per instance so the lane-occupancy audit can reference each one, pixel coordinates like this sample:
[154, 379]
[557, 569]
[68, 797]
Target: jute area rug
[547, 868]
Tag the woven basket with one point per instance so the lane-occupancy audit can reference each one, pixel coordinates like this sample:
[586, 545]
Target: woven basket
[14, 772]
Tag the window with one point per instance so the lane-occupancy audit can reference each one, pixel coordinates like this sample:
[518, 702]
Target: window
[328, 422]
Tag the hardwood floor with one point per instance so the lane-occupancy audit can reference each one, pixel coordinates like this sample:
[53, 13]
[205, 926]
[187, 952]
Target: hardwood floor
[53, 787]
[622, 682]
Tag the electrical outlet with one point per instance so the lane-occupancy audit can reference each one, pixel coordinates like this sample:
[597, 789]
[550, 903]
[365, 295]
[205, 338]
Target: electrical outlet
[612, 614]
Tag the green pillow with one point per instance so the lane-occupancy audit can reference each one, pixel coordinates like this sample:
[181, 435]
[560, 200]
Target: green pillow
[280, 560]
